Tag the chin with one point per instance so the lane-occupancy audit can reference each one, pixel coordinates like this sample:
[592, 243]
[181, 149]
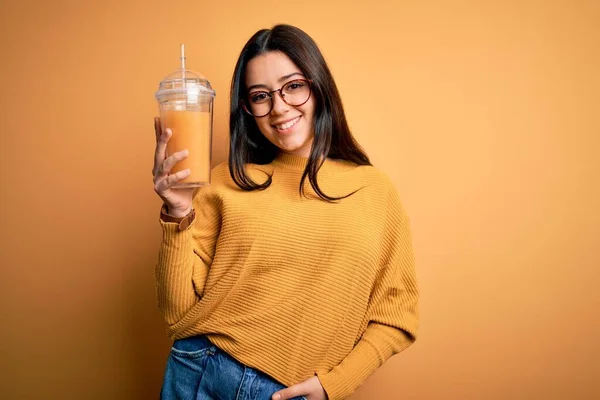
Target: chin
[301, 145]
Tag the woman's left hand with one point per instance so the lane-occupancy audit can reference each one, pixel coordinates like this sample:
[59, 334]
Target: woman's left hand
[310, 388]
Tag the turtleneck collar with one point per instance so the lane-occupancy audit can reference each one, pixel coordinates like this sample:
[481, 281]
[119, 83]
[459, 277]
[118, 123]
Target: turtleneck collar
[299, 163]
[291, 161]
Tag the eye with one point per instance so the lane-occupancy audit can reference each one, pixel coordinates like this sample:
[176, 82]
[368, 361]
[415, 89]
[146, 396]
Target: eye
[259, 97]
[295, 86]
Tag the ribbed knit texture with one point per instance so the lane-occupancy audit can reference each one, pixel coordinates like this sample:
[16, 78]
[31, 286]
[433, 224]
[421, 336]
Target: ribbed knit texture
[295, 286]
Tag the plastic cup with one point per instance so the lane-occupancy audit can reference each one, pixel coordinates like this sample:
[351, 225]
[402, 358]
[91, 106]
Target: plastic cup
[185, 100]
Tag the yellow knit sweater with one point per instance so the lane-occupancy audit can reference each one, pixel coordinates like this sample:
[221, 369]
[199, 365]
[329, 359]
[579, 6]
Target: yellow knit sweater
[295, 286]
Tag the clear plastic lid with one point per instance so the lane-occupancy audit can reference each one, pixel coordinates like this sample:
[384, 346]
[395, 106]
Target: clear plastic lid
[185, 83]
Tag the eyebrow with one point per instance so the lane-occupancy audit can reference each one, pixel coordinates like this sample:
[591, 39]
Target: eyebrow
[282, 79]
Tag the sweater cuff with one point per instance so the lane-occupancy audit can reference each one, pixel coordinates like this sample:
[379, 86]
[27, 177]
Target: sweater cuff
[173, 235]
[378, 343]
[176, 244]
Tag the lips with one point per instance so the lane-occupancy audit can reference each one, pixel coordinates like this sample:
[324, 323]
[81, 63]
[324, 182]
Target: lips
[287, 125]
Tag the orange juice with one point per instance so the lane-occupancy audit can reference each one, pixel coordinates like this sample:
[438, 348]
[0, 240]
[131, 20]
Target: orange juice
[190, 130]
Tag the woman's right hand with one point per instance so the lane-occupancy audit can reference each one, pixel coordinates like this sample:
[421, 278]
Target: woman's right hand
[178, 201]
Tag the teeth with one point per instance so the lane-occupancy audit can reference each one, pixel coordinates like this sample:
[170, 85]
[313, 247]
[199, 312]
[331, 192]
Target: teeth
[288, 124]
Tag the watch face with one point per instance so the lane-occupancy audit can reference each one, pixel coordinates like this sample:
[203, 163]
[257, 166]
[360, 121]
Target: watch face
[187, 220]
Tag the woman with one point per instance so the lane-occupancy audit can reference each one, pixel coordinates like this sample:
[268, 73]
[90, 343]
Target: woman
[291, 275]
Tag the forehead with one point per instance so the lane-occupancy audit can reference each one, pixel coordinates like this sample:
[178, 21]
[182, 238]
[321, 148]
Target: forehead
[268, 68]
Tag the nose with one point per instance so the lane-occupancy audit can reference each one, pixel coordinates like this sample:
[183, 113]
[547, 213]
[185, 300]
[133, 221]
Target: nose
[279, 106]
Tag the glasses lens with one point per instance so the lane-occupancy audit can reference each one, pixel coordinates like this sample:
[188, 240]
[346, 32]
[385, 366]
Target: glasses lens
[259, 103]
[296, 92]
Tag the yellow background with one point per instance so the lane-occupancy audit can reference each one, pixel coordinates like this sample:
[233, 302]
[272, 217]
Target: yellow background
[484, 113]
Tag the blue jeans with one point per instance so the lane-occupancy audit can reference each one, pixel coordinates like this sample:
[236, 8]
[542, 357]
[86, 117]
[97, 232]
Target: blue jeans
[199, 370]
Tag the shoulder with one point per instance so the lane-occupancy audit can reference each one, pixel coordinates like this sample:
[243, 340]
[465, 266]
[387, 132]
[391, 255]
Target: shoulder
[223, 189]
[210, 194]
[386, 189]
[221, 175]
[376, 178]
[375, 174]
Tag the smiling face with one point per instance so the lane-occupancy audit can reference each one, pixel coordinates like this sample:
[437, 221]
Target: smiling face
[290, 128]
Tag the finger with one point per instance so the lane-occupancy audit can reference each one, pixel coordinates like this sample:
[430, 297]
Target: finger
[289, 393]
[161, 149]
[170, 162]
[165, 185]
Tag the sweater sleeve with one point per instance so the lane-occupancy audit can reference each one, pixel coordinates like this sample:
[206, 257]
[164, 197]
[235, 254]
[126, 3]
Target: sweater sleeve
[392, 311]
[185, 257]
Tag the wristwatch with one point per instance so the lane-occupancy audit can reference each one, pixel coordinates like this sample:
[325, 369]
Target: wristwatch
[184, 222]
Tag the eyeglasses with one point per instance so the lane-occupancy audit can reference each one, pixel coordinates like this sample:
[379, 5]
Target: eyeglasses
[294, 93]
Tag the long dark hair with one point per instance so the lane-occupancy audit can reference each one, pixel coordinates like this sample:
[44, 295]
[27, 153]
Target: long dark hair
[332, 139]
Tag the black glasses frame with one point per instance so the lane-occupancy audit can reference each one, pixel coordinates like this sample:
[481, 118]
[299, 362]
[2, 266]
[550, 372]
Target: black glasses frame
[270, 94]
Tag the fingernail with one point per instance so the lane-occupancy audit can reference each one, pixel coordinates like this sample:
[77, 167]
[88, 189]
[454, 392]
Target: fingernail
[186, 152]
[277, 397]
